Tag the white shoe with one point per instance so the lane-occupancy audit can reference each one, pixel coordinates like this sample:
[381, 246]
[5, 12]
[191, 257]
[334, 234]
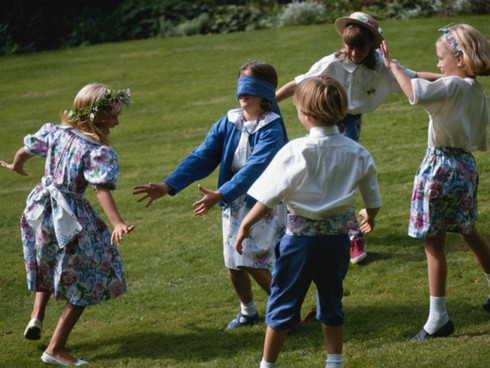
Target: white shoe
[33, 329]
[49, 359]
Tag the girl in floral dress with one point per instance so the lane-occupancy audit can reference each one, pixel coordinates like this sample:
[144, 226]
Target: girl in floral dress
[68, 250]
[445, 186]
[243, 142]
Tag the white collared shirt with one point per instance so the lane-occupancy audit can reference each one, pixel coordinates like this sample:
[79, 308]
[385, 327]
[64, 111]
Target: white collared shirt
[366, 88]
[317, 175]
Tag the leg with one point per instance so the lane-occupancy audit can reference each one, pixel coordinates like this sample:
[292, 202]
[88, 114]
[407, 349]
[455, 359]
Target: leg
[479, 246]
[481, 249]
[57, 345]
[40, 303]
[274, 340]
[35, 325]
[334, 338]
[242, 285]
[436, 264]
[438, 324]
[262, 277]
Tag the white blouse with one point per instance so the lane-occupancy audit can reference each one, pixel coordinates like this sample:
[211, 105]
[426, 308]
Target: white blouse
[458, 112]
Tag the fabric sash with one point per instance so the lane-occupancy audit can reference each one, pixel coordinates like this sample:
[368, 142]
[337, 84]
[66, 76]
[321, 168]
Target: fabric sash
[65, 223]
[252, 86]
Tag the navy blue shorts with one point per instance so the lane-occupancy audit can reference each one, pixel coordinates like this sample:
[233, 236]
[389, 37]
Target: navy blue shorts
[303, 259]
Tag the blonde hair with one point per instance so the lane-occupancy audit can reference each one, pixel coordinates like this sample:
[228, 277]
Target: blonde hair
[474, 46]
[323, 98]
[85, 98]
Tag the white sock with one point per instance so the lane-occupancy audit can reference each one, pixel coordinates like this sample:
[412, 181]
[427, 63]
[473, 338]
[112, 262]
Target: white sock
[437, 314]
[334, 361]
[248, 309]
[487, 275]
[264, 364]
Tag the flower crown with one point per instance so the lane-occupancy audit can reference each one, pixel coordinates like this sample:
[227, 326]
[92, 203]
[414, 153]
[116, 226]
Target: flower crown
[106, 103]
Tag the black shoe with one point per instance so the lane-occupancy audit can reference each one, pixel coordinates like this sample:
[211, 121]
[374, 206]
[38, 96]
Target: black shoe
[444, 331]
[486, 305]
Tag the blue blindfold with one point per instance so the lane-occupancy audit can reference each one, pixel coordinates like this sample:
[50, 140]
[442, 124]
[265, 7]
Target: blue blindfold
[252, 86]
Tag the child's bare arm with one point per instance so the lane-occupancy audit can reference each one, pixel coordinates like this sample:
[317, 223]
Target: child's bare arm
[109, 206]
[286, 91]
[18, 165]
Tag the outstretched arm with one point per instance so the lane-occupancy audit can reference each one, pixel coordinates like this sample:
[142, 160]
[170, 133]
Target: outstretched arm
[286, 91]
[429, 75]
[257, 212]
[401, 77]
[18, 165]
[109, 206]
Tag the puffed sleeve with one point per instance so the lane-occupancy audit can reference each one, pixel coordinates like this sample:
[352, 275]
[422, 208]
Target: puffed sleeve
[37, 144]
[102, 168]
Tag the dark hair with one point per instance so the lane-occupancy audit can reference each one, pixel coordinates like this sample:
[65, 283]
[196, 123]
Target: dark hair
[357, 36]
[264, 71]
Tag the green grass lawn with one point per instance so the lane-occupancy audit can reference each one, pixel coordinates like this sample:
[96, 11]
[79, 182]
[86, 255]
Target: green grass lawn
[179, 298]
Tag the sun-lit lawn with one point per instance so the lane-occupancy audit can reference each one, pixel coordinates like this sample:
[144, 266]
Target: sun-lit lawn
[179, 298]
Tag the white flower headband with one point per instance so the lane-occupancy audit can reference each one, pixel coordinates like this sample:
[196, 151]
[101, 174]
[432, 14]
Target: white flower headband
[451, 40]
[106, 103]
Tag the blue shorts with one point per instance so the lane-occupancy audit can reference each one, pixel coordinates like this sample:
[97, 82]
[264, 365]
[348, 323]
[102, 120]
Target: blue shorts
[301, 260]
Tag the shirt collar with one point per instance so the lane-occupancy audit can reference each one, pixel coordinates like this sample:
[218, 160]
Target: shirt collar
[322, 131]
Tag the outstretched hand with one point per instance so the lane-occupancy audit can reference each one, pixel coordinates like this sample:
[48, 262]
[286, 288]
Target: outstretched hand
[119, 231]
[208, 201]
[18, 170]
[152, 191]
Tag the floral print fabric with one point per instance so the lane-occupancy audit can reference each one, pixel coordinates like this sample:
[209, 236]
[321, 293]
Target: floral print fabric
[259, 248]
[444, 193]
[88, 269]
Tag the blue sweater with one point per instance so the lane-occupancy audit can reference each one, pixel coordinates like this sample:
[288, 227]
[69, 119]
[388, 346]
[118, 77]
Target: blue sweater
[219, 148]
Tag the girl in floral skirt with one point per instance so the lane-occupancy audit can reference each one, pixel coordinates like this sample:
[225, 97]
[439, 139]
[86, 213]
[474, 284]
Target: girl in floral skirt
[68, 250]
[445, 187]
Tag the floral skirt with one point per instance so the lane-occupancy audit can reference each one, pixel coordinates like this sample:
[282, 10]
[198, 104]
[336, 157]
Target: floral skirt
[444, 194]
[259, 248]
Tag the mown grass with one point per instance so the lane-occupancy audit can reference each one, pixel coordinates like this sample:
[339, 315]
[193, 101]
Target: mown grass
[179, 298]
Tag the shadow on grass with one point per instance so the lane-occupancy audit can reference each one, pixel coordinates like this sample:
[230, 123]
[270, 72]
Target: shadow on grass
[385, 324]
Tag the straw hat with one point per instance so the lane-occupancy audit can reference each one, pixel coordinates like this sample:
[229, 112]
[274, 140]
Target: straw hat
[362, 19]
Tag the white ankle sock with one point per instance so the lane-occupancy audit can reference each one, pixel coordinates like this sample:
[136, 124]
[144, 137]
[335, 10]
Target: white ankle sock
[264, 364]
[487, 275]
[437, 314]
[334, 361]
[248, 309]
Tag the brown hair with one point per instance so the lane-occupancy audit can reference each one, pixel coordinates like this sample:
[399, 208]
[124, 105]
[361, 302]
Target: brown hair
[357, 36]
[323, 98]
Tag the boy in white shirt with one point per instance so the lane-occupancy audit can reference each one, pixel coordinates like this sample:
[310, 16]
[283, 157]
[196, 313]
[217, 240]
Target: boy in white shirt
[317, 177]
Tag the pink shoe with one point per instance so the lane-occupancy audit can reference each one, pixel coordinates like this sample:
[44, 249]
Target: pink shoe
[358, 250]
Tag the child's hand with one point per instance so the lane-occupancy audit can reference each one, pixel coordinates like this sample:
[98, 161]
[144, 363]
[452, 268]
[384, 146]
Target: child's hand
[152, 190]
[386, 55]
[367, 224]
[243, 233]
[207, 202]
[18, 170]
[119, 231]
